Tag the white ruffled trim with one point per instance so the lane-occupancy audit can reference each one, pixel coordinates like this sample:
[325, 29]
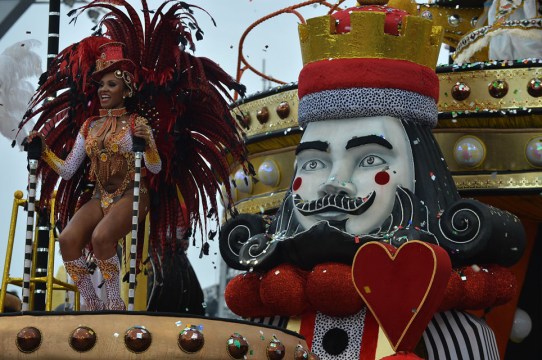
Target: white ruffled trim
[463, 54]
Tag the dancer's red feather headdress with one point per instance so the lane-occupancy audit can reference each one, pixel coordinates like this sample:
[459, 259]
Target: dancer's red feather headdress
[181, 95]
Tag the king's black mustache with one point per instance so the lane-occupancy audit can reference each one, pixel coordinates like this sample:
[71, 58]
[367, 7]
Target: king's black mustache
[334, 202]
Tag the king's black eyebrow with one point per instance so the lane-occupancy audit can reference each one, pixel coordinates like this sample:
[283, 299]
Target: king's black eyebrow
[312, 145]
[370, 139]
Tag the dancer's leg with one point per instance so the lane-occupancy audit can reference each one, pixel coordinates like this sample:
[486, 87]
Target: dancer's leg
[72, 241]
[115, 225]
[78, 271]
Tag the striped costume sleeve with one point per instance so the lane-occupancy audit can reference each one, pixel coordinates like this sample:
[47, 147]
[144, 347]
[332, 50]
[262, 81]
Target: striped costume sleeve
[66, 168]
[453, 335]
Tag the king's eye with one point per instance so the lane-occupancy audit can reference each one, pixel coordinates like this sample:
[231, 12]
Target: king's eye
[371, 160]
[313, 165]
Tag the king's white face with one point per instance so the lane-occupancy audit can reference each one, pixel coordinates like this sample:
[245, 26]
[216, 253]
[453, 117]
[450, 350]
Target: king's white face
[348, 172]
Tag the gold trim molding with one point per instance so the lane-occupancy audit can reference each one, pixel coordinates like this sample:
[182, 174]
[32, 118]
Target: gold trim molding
[261, 204]
[495, 181]
[505, 150]
[270, 103]
[480, 99]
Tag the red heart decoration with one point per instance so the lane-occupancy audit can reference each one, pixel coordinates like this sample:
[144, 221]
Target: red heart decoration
[402, 287]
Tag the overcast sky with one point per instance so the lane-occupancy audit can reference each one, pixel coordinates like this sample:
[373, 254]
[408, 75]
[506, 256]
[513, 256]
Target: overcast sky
[275, 40]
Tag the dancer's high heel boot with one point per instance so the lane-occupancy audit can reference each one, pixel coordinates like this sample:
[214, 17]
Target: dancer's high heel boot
[78, 271]
[110, 270]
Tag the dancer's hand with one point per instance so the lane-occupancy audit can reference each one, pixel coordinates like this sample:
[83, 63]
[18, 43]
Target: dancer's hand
[143, 131]
[32, 146]
[33, 135]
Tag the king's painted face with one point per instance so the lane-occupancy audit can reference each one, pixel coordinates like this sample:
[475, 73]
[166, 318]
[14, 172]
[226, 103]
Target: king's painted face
[348, 172]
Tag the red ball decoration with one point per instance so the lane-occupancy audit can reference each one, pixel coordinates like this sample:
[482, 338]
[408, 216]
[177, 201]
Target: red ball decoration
[392, 24]
[244, 120]
[242, 296]
[460, 91]
[455, 291]
[301, 353]
[282, 290]
[190, 340]
[283, 110]
[137, 339]
[28, 339]
[237, 346]
[263, 115]
[504, 283]
[534, 87]
[275, 350]
[498, 88]
[479, 293]
[330, 290]
[82, 339]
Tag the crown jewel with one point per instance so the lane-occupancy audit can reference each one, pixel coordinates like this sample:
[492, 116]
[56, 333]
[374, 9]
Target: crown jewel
[418, 40]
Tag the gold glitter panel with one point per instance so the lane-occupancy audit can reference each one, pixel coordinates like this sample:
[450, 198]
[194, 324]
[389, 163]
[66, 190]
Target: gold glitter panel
[490, 90]
[269, 114]
[503, 150]
[419, 41]
[455, 22]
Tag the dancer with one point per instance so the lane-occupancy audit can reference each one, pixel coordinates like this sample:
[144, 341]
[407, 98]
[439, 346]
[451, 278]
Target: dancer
[107, 140]
[133, 80]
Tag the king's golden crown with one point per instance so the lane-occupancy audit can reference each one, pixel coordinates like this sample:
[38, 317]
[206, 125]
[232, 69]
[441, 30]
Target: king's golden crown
[419, 41]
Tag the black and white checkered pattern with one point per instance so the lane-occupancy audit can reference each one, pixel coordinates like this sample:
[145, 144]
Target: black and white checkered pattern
[32, 180]
[135, 222]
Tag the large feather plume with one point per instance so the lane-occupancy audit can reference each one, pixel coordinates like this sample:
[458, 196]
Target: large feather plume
[184, 97]
[18, 63]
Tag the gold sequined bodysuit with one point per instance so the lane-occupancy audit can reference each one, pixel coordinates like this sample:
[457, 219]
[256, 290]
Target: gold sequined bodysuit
[108, 144]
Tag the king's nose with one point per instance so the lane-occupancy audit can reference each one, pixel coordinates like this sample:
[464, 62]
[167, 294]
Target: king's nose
[334, 186]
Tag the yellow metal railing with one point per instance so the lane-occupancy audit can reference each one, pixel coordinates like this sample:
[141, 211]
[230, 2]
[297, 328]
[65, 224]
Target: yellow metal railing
[51, 282]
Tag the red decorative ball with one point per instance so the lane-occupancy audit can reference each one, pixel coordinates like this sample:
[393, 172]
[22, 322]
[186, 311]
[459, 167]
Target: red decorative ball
[455, 291]
[498, 88]
[82, 339]
[479, 293]
[28, 339]
[191, 340]
[460, 91]
[137, 339]
[282, 290]
[283, 110]
[301, 353]
[534, 87]
[263, 115]
[504, 283]
[237, 346]
[394, 18]
[330, 290]
[275, 350]
[242, 296]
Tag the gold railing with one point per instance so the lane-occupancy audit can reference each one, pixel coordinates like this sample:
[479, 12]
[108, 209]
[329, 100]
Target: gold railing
[51, 282]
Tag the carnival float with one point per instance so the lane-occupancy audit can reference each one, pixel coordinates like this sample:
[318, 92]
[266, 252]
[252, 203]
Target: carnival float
[393, 209]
